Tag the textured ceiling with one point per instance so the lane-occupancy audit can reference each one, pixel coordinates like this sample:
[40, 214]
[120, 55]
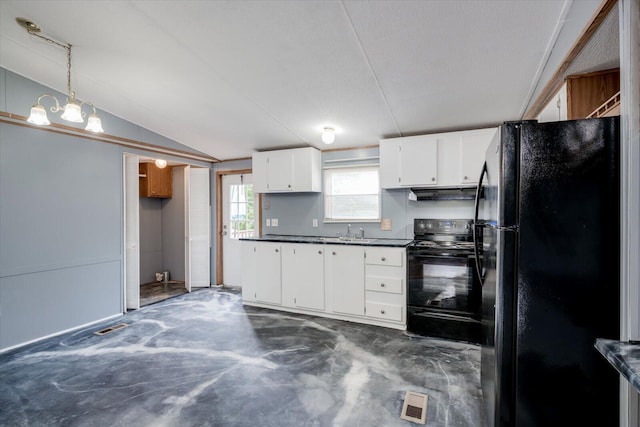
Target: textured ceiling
[231, 77]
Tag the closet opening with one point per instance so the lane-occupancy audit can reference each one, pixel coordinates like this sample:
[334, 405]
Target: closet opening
[167, 231]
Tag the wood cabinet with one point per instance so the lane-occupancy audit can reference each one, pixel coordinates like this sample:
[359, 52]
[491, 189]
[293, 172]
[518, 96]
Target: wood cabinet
[451, 159]
[155, 182]
[261, 276]
[303, 276]
[587, 92]
[582, 95]
[344, 271]
[282, 171]
[385, 276]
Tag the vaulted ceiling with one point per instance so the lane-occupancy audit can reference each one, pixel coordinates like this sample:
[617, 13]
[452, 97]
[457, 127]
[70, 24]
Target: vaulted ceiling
[231, 77]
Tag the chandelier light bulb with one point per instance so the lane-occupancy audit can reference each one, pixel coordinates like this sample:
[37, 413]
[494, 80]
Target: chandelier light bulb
[328, 135]
[94, 124]
[72, 113]
[161, 163]
[38, 115]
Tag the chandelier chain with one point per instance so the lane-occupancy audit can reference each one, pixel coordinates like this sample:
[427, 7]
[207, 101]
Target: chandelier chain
[68, 48]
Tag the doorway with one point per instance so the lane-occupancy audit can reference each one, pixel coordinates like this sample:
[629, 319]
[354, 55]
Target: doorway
[239, 217]
[167, 236]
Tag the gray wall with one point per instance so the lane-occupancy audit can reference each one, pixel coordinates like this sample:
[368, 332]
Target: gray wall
[173, 228]
[150, 239]
[61, 220]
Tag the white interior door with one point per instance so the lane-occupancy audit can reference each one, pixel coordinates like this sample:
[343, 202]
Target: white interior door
[198, 228]
[240, 216]
[132, 232]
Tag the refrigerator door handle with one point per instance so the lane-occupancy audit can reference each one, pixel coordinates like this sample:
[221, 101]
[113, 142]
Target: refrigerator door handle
[476, 253]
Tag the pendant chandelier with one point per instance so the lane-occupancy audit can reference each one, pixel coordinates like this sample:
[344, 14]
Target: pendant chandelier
[72, 110]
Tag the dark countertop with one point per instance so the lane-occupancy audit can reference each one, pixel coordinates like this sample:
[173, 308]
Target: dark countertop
[329, 240]
[624, 356]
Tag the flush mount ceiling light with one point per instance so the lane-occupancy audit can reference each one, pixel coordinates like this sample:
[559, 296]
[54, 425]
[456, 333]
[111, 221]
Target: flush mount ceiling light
[161, 163]
[328, 135]
[72, 111]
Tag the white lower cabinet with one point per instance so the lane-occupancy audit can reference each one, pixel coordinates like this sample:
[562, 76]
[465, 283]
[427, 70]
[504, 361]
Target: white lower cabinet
[385, 282]
[351, 282]
[344, 271]
[262, 272]
[303, 276]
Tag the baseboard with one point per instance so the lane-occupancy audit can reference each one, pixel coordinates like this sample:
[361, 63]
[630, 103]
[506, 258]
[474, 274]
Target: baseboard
[76, 328]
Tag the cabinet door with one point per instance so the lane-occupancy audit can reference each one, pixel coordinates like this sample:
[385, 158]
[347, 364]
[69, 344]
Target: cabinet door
[344, 273]
[260, 172]
[419, 161]
[390, 163]
[268, 273]
[248, 271]
[473, 146]
[303, 276]
[280, 171]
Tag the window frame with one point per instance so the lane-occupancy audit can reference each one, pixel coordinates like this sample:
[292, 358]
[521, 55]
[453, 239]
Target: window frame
[327, 196]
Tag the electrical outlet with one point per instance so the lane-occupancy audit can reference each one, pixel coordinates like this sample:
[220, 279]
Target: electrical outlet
[315, 222]
[274, 222]
[268, 222]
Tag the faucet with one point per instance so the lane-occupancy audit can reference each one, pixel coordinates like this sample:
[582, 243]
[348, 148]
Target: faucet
[360, 234]
[348, 231]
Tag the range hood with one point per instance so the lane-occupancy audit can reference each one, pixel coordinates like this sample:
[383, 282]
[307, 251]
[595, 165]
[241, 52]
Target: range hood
[448, 193]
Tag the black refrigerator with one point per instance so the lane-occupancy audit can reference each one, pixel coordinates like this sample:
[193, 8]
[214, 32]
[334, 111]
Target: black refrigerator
[550, 220]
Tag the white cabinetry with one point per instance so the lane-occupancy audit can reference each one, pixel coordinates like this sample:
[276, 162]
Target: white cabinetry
[473, 147]
[344, 272]
[450, 159]
[261, 274]
[350, 282]
[385, 284]
[303, 276]
[295, 170]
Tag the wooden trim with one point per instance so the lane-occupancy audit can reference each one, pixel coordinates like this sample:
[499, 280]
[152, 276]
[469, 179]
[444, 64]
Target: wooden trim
[18, 120]
[219, 250]
[556, 81]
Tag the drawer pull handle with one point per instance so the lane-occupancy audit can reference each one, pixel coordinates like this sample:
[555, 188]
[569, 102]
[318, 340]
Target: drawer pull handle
[382, 311]
[333, 252]
[276, 250]
[384, 259]
[382, 285]
[320, 252]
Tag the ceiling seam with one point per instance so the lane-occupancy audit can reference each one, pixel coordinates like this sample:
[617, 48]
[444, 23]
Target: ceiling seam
[373, 73]
[213, 70]
[545, 57]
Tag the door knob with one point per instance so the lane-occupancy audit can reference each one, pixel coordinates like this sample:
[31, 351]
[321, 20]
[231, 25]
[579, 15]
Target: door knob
[224, 233]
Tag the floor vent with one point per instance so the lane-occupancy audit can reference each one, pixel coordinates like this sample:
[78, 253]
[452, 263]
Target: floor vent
[111, 329]
[415, 407]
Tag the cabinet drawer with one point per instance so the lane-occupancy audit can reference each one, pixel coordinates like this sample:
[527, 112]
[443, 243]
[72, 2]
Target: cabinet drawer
[385, 256]
[392, 285]
[384, 311]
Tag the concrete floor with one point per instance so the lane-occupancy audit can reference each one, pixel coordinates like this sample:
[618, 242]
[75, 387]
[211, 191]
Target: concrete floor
[202, 359]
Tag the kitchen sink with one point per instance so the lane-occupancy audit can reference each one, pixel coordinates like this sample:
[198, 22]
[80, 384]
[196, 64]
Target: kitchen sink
[346, 240]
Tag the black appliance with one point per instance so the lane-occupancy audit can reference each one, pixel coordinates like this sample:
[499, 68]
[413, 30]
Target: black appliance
[443, 288]
[550, 271]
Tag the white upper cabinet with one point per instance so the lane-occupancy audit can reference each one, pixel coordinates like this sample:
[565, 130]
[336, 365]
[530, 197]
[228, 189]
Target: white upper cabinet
[473, 145]
[282, 171]
[450, 159]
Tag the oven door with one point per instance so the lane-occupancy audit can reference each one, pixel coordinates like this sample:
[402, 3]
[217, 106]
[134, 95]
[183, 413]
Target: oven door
[442, 283]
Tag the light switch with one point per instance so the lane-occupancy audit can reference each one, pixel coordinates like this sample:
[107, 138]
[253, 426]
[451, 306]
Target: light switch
[385, 224]
[268, 222]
